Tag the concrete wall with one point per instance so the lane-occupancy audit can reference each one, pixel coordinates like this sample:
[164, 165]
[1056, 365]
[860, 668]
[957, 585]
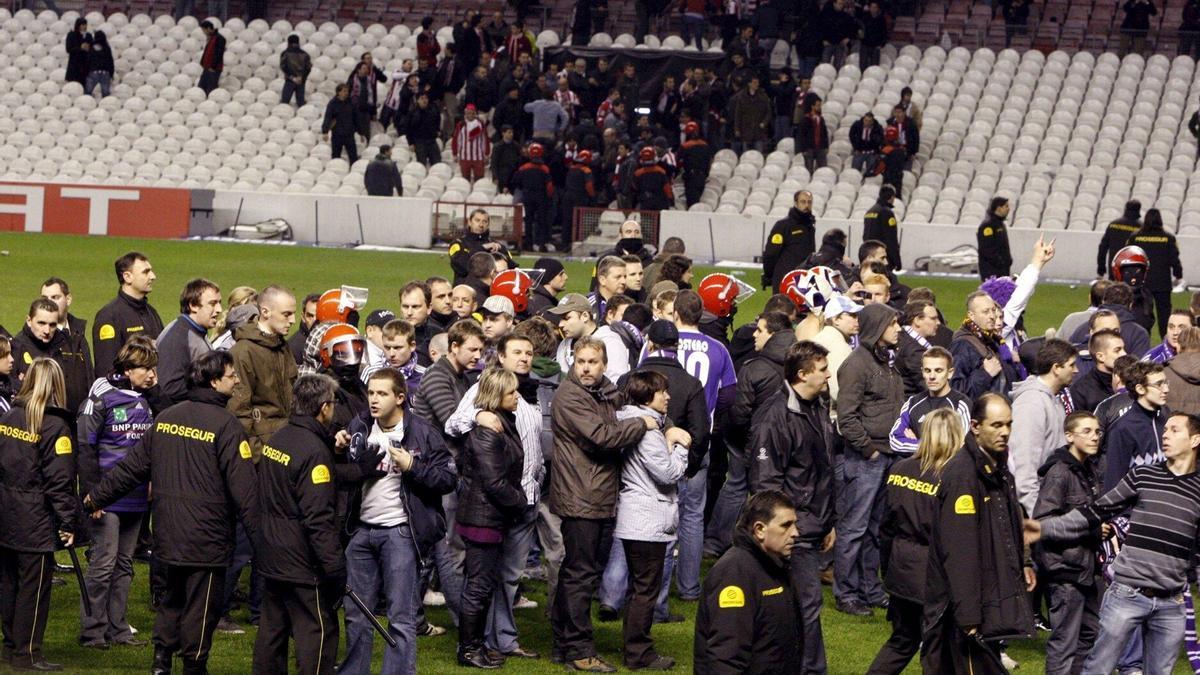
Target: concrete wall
[741, 238]
[386, 221]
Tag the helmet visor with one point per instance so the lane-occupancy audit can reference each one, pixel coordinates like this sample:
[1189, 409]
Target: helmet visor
[353, 297]
[347, 352]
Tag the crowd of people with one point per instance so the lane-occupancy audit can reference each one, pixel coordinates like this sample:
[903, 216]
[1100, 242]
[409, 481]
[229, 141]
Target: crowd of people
[494, 426]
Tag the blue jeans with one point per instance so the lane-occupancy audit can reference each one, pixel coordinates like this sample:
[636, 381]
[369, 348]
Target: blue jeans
[729, 503]
[383, 560]
[1123, 610]
[694, 27]
[290, 88]
[501, 630]
[861, 502]
[448, 557]
[98, 79]
[690, 541]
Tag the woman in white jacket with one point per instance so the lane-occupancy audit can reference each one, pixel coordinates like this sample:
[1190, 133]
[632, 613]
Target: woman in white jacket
[647, 515]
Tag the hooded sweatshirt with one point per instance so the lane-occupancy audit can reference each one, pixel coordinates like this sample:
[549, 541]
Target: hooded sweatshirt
[1037, 431]
[870, 389]
[1183, 375]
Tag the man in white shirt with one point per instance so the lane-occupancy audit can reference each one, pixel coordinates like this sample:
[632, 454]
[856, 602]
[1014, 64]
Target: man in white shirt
[576, 320]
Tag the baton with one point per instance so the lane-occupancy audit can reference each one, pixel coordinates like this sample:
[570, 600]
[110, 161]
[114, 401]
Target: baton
[83, 594]
[362, 607]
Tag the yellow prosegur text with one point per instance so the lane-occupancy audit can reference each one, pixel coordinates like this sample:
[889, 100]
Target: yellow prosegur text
[277, 455]
[185, 432]
[19, 434]
[912, 484]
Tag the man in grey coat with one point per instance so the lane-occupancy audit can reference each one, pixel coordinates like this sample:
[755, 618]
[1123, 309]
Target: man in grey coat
[870, 395]
[185, 338]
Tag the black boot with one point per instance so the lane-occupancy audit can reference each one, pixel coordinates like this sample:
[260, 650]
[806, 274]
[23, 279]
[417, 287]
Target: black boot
[475, 658]
[162, 661]
[195, 667]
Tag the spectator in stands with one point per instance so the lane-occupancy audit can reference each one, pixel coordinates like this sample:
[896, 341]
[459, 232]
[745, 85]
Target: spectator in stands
[910, 135]
[751, 113]
[212, 60]
[470, 144]
[424, 123]
[1136, 25]
[837, 28]
[382, 176]
[1016, 16]
[100, 66]
[506, 157]
[866, 139]
[339, 124]
[695, 20]
[1189, 29]
[79, 45]
[812, 135]
[874, 35]
[549, 118]
[427, 44]
[536, 188]
[364, 94]
[1183, 374]
[451, 76]
[296, 64]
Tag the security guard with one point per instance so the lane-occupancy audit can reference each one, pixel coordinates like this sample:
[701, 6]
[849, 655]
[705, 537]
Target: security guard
[880, 224]
[198, 459]
[991, 239]
[37, 489]
[977, 528]
[300, 555]
[747, 619]
[1116, 235]
[651, 185]
[1163, 251]
[695, 159]
[477, 238]
[791, 241]
[128, 314]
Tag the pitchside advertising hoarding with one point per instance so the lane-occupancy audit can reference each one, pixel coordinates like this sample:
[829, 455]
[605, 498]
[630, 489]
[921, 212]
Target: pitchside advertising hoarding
[118, 211]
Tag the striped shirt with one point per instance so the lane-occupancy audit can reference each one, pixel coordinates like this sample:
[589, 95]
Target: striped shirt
[913, 413]
[569, 102]
[470, 142]
[529, 428]
[1162, 526]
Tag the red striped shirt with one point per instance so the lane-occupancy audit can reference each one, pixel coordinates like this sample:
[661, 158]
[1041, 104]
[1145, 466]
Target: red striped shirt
[473, 146]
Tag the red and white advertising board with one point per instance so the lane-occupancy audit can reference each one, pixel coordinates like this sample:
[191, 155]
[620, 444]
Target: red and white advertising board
[117, 211]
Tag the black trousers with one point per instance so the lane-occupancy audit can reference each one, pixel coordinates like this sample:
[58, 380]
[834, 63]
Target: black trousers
[481, 576]
[693, 187]
[306, 613]
[1162, 310]
[645, 561]
[338, 143]
[586, 544]
[949, 651]
[209, 80]
[24, 602]
[188, 613]
[905, 642]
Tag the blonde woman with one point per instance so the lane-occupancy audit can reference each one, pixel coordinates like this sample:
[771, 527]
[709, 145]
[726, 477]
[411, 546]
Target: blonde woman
[912, 506]
[37, 493]
[242, 296]
[490, 500]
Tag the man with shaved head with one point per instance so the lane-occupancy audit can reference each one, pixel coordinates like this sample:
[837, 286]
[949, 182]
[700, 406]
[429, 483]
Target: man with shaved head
[791, 241]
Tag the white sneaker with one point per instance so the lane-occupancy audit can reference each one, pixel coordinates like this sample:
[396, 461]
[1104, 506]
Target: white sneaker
[550, 248]
[133, 630]
[1008, 662]
[434, 599]
[525, 603]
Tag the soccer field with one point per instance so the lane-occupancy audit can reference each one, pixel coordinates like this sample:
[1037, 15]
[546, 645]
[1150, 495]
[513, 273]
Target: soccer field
[86, 263]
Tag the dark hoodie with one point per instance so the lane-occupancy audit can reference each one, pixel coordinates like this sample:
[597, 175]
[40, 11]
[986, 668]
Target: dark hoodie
[870, 389]
[832, 254]
[758, 380]
[1090, 389]
[1067, 484]
[1137, 339]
